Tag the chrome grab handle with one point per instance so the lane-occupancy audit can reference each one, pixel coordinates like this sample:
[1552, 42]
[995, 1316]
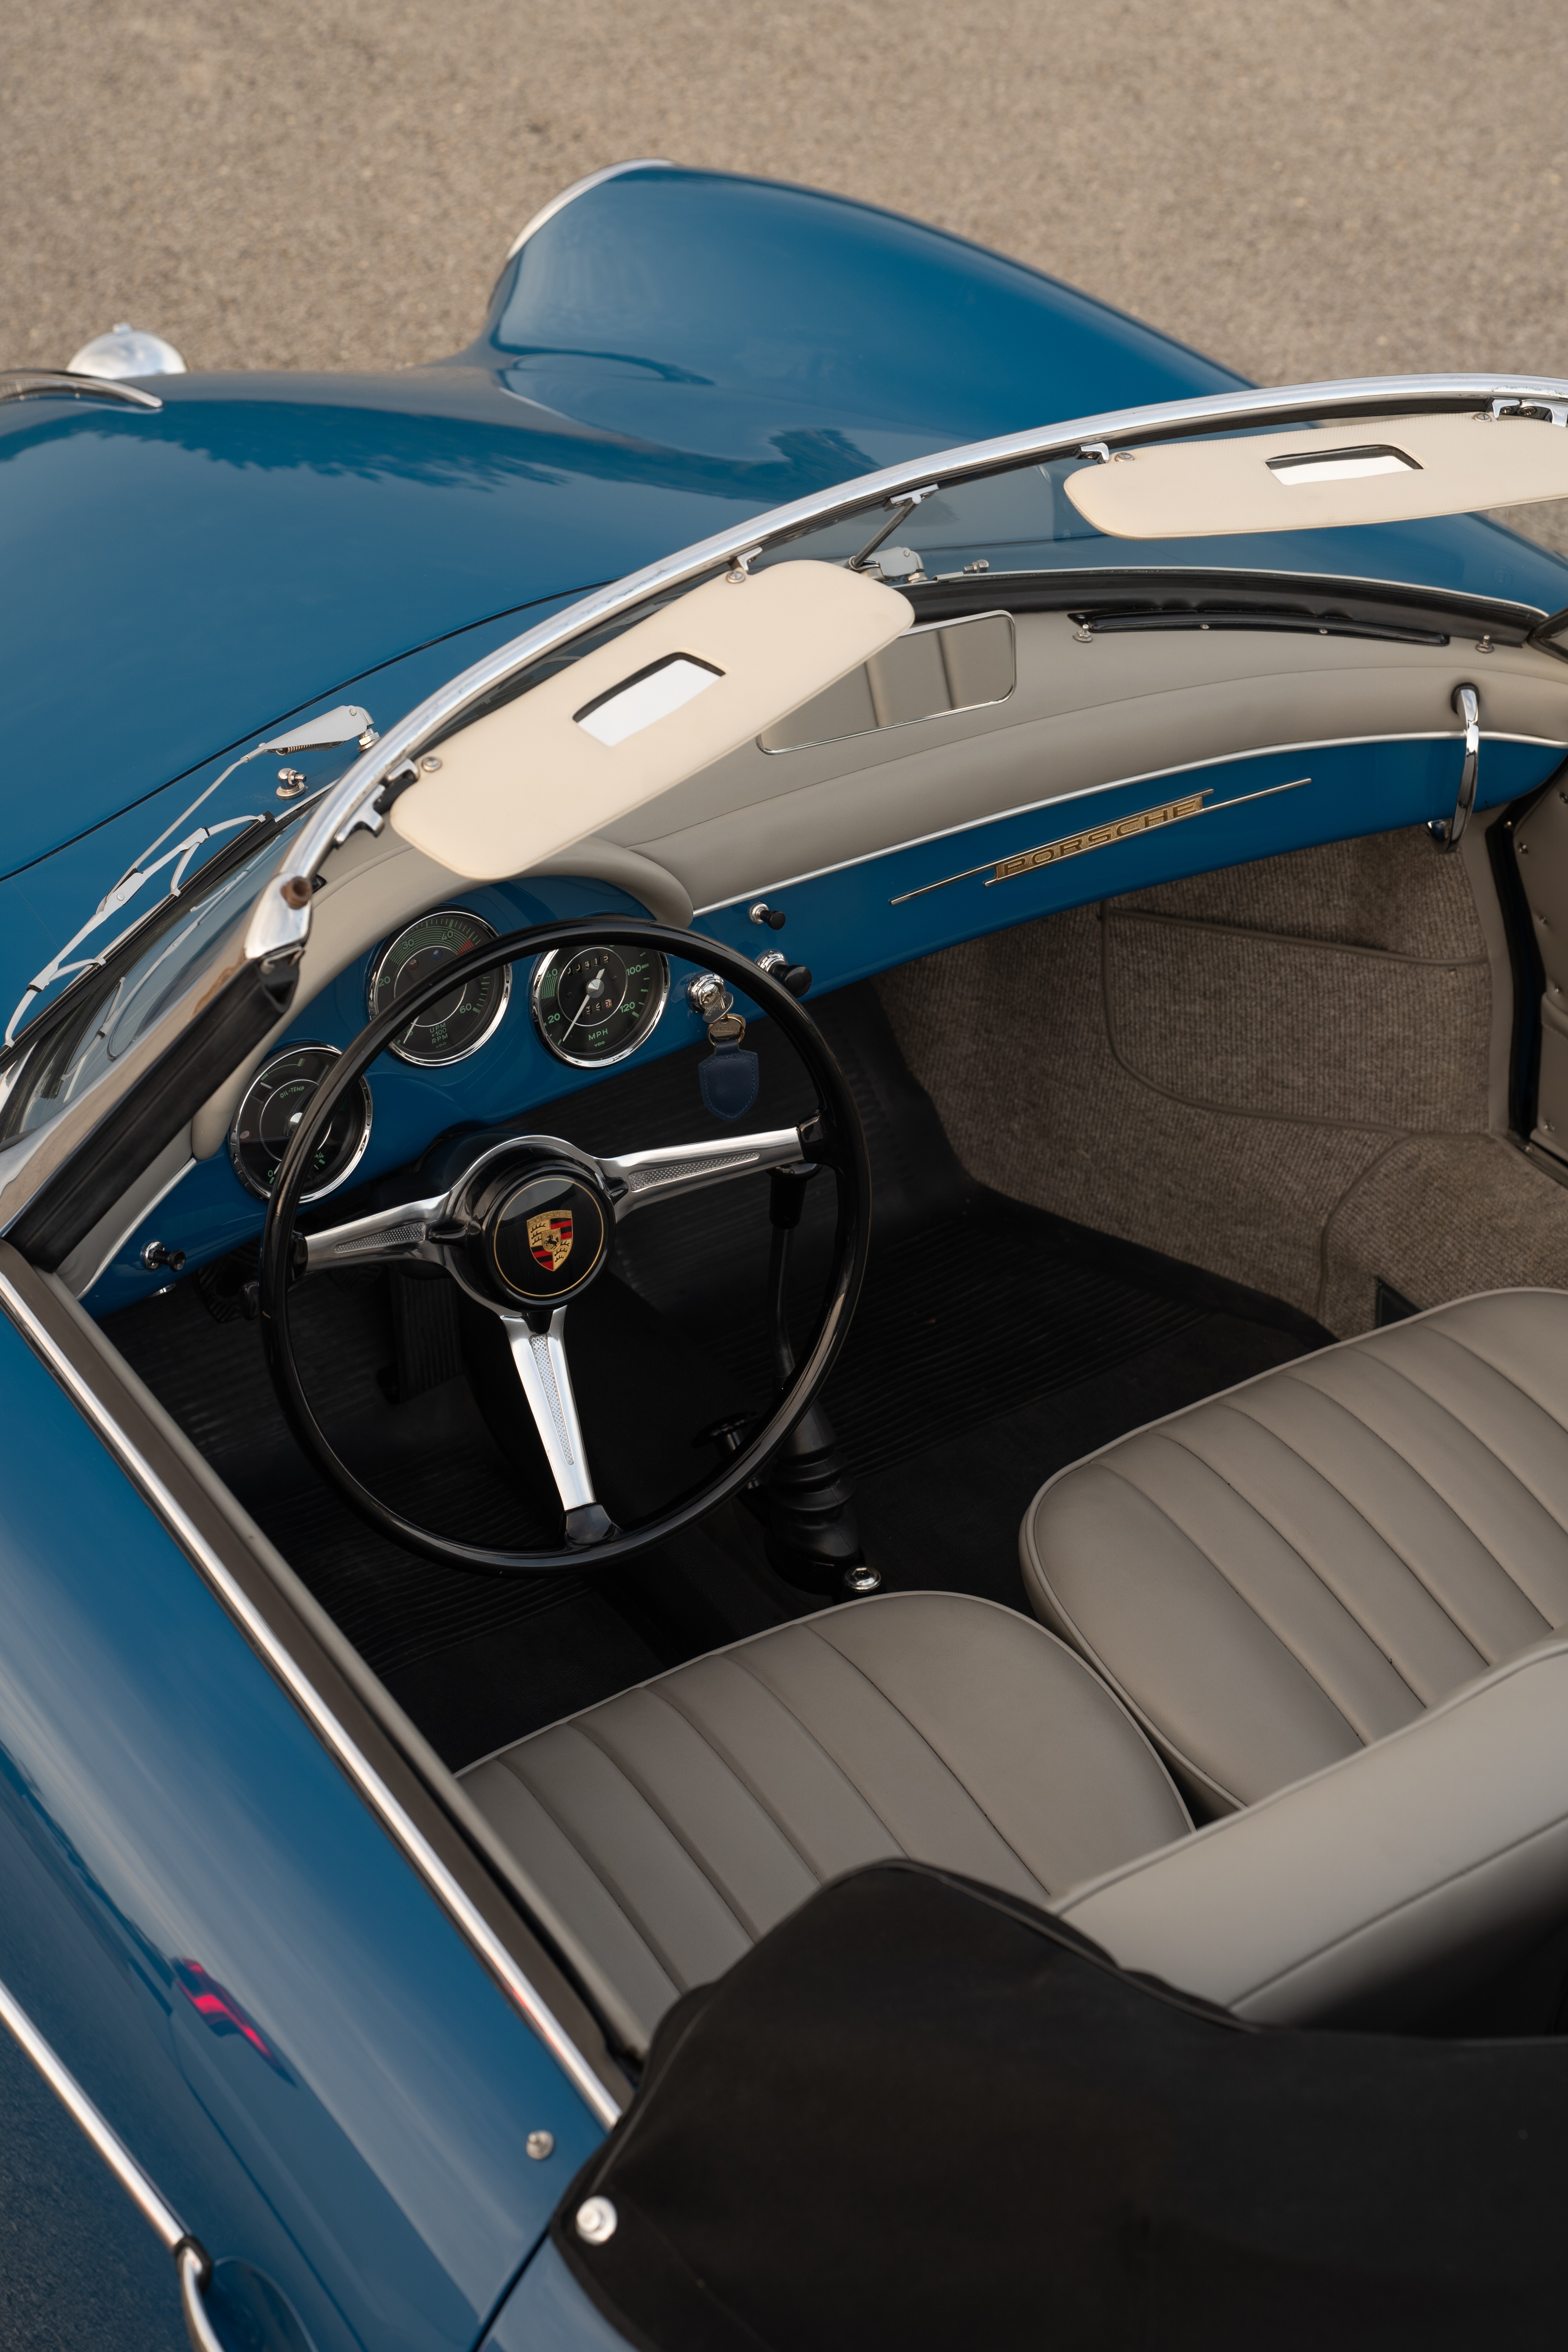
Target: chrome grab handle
[195, 2265]
[1448, 832]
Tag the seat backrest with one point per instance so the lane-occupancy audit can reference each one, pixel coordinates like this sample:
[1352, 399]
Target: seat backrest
[1379, 1887]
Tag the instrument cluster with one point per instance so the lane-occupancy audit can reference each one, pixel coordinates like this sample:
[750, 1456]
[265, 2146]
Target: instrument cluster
[590, 1009]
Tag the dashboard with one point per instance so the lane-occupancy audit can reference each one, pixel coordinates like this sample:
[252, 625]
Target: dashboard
[485, 1053]
[589, 1010]
[514, 1043]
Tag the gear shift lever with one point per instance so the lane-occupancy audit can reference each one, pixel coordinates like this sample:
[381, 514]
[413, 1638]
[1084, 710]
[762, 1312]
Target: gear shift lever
[813, 1539]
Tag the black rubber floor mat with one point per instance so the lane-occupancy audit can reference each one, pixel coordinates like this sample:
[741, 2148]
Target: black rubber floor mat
[947, 1519]
[994, 1315]
[434, 1454]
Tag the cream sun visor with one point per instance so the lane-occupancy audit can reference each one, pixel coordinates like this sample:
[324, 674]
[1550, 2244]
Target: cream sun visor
[675, 693]
[1390, 469]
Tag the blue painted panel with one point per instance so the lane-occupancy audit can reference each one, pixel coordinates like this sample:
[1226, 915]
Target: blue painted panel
[547, 2310]
[174, 582]
[710, 310]
[45, 904]
[845, 925]
[225, 1948]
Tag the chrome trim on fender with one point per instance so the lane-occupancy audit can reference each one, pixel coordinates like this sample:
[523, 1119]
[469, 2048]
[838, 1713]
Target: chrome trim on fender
[579, 188]
[58, 383]
[102, 2133]
[280, 923]
[404, 1832]
[196, 2269]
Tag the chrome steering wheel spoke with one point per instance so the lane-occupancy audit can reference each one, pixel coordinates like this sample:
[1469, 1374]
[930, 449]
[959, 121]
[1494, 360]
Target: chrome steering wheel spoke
[388, 1237]
[636, 1178]
[539, 1353]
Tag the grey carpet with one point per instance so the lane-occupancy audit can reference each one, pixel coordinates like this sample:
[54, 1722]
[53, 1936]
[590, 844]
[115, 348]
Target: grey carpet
[1278, 1072]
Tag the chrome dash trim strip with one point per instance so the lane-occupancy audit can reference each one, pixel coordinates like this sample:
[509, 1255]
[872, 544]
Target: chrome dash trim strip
[1007, 868]
[332, 1734]
[98, 2129]
[1088, 792]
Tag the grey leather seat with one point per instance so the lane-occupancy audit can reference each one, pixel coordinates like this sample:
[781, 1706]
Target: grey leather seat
[1278, 1577]
[663, 1832]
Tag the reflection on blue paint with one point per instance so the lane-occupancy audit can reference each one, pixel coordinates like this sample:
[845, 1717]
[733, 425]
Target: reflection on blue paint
[160, 1798]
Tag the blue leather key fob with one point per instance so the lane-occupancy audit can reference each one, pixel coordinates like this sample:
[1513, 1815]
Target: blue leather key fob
[729, 1080]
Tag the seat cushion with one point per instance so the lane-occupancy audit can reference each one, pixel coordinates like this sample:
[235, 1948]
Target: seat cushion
[668, 1829]
[1284, 1573]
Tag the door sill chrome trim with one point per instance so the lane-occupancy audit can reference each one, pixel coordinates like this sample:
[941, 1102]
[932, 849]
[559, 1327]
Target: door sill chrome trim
[96, 2126]
[394, 1817]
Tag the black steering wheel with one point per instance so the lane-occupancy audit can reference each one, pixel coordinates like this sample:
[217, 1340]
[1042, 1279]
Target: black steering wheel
[524, 1222]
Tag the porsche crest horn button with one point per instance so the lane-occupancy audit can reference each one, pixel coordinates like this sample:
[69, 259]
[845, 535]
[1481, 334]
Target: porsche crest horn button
[549, 1238]
[546, 1236]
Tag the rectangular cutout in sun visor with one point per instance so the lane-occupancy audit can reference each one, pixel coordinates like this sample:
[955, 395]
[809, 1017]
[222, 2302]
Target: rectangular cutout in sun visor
[673, 694]
[1321, 480]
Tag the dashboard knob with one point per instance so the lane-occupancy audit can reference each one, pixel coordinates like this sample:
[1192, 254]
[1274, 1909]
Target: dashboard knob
[795, 977]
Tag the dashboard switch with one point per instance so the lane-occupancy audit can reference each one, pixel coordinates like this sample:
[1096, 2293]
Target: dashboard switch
[795, 977]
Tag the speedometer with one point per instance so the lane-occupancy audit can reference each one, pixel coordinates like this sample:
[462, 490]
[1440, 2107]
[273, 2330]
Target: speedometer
[598, 1005]
[457, 1024]
[275, 1102]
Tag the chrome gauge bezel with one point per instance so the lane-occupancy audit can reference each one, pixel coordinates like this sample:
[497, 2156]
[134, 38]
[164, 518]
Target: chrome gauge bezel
[598, 1061]
[440, 1061]
[283, 1054]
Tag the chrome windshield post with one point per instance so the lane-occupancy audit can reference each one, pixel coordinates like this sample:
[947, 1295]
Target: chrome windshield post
[1448, 832]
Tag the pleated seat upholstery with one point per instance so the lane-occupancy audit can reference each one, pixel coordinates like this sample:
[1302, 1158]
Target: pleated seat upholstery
[665, 1830]
[1277, 1577]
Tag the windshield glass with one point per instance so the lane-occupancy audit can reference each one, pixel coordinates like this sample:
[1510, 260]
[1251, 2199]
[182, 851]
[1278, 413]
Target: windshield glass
[68, 1046]
[1022, 520]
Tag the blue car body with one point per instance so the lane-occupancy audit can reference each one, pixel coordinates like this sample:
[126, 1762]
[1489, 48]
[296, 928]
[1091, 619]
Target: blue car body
[204, 1914]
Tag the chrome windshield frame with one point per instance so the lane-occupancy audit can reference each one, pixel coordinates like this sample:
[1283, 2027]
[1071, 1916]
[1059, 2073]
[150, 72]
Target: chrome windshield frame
[278, 925]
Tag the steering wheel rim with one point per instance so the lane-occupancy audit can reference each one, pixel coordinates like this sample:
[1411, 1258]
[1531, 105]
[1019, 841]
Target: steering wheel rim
[837, 1142]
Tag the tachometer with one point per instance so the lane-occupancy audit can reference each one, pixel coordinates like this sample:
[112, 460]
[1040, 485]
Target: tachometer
[599, 1005]
[267, 1119]
[457, 1025]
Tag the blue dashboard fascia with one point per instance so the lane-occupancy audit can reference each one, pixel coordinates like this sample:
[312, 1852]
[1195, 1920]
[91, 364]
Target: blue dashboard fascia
[851, 922]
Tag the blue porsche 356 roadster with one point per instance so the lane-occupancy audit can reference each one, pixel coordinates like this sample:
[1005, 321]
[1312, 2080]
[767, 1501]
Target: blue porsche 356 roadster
[783, 1176]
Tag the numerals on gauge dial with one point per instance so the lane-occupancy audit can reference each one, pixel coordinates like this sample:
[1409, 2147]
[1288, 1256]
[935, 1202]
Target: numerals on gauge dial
[598, 1005]
[457, 1024]
[274, 1102]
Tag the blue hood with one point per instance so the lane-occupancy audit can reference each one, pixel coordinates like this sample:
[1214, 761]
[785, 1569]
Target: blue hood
[178, 584]
[671, 351]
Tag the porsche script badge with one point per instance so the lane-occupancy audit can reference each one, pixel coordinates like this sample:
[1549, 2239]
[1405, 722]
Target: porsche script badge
[549, 1238]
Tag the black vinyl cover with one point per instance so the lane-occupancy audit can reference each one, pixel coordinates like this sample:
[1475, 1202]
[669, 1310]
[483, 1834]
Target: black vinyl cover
[920, 2114]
